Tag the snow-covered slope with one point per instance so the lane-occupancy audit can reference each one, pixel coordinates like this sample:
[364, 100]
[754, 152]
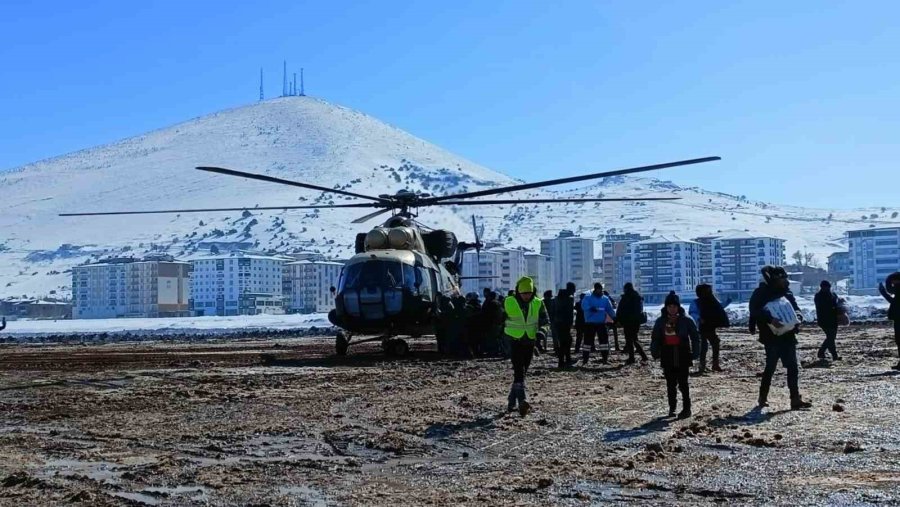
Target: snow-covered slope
[307, 139]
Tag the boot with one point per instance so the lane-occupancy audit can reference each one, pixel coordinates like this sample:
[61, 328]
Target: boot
[716, 367]
[763, 395]
[798, 404]
[524, 408]
[685, 413]
[671, 411]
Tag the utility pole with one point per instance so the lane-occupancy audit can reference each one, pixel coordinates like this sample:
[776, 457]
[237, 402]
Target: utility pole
[295, 84]
[261, 96]
[284, 88]
[302, 93]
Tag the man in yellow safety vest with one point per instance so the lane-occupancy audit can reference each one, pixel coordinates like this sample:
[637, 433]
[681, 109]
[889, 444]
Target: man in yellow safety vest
[526, 322]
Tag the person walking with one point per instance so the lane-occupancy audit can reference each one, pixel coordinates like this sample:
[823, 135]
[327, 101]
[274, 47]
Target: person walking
[709, 314]
[828, 310]
[526, 322]
[550, 304]
[598, 312]
[676, 343]
[612, 325]
[492, 320]
[562, 318]
[890, 291]
[631, 315]
[579, 323]
[775, 314]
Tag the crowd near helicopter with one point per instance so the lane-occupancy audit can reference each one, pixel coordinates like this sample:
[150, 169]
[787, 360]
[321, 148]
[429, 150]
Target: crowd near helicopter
[394, 284]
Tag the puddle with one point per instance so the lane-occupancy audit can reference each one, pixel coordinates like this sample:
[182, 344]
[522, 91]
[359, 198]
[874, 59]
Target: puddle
[136, 497]
[307, 495]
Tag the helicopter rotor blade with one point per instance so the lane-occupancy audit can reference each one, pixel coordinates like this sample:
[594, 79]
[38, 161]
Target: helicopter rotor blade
[272, 179]
[539, 201]
[562, 181]
[214, 210]
[370, 216]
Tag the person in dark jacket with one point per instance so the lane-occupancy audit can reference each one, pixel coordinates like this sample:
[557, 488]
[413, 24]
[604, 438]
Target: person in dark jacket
[890, 291]
[562, 318]
[631, 315]
[612, 326]
[491, 320]
[709, 314]
[579, 323]
[675, 342]
[828, 306]
[773, 295]
[550, 304]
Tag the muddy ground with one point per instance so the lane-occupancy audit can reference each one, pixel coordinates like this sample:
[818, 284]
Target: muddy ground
[263, 423]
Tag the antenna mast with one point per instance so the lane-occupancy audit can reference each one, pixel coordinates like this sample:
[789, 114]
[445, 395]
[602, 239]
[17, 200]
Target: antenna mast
[261, 96]
[284, 90]
[302, 93]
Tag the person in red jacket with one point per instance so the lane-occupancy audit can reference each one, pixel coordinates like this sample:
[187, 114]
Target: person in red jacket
[676, 343]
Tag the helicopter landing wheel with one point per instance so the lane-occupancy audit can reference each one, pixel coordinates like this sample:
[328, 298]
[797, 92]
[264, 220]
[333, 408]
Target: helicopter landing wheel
[341, 343]
[396, 347]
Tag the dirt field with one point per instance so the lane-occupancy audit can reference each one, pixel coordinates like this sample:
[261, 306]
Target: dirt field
[259, 423]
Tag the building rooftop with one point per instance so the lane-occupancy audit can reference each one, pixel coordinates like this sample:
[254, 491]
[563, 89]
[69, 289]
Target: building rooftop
[311, 262]
[664, 240]
[892, 228]
[736, 234]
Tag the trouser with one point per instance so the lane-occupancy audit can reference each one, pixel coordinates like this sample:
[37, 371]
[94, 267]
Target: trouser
[709, 339]
[783, 349]
[632, 343]
[521, 350]
[615, 333]
[579, 337]
[590, 332]
[897, 335]
[829, 344]
[563, 333]
[677, 380]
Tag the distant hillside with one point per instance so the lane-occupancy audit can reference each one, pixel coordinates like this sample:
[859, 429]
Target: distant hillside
[307, 139]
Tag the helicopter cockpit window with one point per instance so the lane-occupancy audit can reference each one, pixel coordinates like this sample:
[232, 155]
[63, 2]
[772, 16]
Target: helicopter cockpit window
[384, 274]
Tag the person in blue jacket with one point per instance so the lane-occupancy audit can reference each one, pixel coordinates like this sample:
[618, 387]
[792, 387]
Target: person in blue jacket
[598, 312]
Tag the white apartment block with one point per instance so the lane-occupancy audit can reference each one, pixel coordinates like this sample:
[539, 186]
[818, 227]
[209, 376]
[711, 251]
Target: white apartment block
[616, 250]
[737, 258]
[311, 283]
[126, 287]
[874, 254]
[664, 264]
[573, 257]
[706, 258]
[488, 265]
[512, 267]
[238, 285]
[542, 270]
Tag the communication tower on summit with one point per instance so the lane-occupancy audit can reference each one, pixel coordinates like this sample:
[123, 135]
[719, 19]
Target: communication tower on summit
[261, 95]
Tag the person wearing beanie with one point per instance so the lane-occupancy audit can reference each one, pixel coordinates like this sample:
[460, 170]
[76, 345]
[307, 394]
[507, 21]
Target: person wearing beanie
[890, 291]
[526, 322]
[676, 343]
[630, 314]
[828, 311]
[562, 317]
[598, 312]
[709, 314]
[775, 314]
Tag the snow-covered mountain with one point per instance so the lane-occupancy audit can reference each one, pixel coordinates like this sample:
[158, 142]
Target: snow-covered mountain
[306, 139]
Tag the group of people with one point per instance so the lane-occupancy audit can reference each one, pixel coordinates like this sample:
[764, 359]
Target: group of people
[678, 338]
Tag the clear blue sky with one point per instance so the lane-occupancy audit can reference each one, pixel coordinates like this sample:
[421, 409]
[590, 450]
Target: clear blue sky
[801, 98]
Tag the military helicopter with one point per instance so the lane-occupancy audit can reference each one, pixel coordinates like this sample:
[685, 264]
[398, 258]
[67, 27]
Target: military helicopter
[403, 273]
